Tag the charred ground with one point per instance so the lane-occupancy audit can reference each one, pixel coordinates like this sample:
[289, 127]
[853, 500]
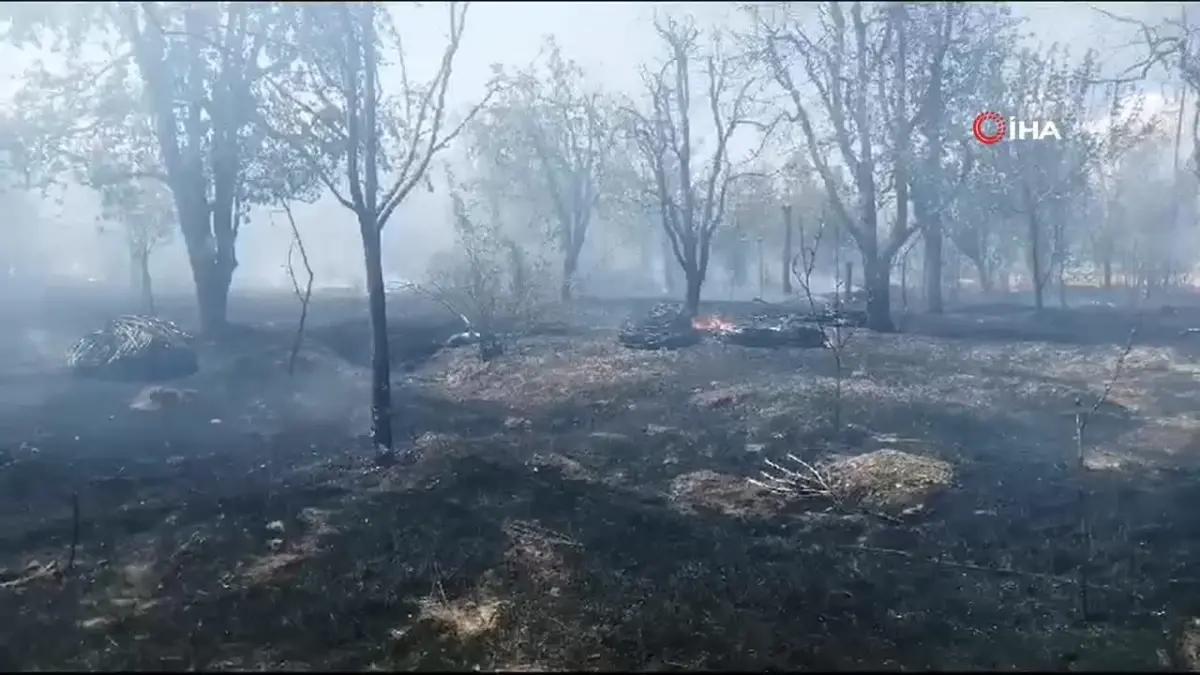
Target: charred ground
[578, 505]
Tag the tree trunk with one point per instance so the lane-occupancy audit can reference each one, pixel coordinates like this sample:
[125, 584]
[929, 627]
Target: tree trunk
[212, 297]
[762, 271]
[1062, 284]
[953, 263]
[1035, 264]
[212, 274]
[381, 367]
[570, 265]
[878, 287]
[786, 269]
[1108, 273]
[145, 282]
[933, 266]
[695, 280]
[986, 282]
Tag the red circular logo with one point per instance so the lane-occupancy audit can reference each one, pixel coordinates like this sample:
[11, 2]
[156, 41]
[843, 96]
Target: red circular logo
[989, 128]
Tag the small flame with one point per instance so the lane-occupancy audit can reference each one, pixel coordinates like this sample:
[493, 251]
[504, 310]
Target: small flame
[712, 324]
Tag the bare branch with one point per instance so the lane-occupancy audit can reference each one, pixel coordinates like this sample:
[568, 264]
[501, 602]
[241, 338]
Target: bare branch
[303, 295]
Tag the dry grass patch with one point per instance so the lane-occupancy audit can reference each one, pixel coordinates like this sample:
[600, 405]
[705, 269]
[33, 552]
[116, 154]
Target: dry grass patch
[549, 376]
[889, 480]
[1188, 648]
[463, 618]
[535, 552]
[728, 495]
[283, 556]
[721, 396]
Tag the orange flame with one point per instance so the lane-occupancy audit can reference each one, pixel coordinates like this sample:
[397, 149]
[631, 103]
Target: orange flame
[712, 324]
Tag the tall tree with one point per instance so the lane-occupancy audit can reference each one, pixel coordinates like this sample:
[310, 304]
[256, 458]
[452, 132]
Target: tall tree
[858, 62]
[954, 44]
[552, 138]
[1173, 43]
[690, 185]
[186, 77]
[145, 217]
[1046, 178]
[369, 147]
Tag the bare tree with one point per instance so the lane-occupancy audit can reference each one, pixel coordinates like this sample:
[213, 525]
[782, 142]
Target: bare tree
[1045, 182]
[871, 120]
[1045, 175]
[1173, 44]
[1133, 229]
[954, 47]
[304, 295]
[691, 192]
[551, 139]
[381, 145]
[146, 216]
[489, 278]
[829, 319]
[171, 94]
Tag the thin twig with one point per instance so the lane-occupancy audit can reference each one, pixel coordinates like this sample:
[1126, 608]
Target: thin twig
[1007, 571]
[438, 295]
[810, 482]
[305, 295]
[803, 266]
[1081, 421]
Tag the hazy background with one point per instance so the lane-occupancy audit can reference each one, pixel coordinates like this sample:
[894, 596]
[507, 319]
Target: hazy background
[60, 233]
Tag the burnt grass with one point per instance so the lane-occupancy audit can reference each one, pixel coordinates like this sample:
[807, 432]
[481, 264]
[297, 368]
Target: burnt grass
[576, 505]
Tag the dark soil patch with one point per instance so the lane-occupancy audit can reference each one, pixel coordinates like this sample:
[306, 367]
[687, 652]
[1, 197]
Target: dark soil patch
[1084, 325]
[410, 343]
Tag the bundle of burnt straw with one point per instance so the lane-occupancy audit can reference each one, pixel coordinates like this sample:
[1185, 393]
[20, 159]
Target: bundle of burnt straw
[665, 326]
[135, 347]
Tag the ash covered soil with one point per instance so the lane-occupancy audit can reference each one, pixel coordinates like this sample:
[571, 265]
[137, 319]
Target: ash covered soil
[578, 505]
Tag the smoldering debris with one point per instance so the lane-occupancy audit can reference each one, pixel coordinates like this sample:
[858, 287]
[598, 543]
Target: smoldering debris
[783, 331]
[665, 326]
[669, 326]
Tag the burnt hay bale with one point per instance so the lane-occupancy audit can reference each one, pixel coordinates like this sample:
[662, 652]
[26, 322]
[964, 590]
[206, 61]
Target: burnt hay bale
[839, 316]
[665, 326]
[784, 331]
[135, 348]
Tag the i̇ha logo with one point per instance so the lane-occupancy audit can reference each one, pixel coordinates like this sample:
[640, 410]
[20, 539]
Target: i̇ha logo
[990, 128]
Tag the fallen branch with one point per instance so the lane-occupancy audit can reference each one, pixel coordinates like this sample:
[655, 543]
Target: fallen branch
[810, 481]
[34, 573]
[1005, 571]
[305, 296]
